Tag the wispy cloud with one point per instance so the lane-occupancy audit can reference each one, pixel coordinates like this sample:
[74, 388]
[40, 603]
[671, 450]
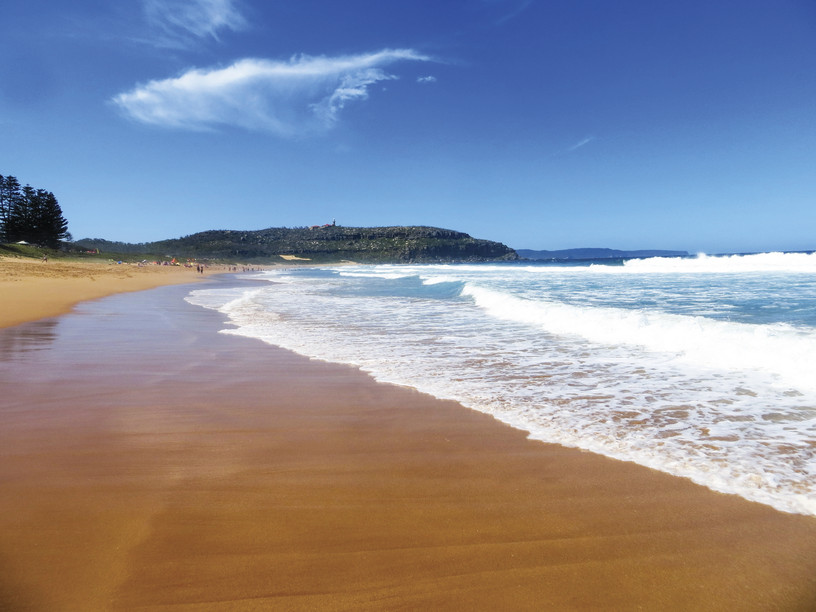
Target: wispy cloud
[179, 23]
[287, 98]
[352, 87]
[581, 143]
[509, 8]
[426, 79]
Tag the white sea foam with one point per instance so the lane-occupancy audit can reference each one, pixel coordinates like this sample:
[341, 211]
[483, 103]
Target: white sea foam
[647, 368]
[706, 264]
[373, 274]
[780, 350]
[436, 280]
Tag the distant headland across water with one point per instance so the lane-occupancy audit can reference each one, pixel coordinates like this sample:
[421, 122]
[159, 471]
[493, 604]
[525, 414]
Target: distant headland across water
[596, 253]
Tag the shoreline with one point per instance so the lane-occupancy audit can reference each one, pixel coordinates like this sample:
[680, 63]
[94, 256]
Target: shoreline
[150, 462]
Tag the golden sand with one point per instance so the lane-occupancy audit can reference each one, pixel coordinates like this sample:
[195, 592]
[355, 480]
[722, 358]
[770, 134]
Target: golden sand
[153, 464]
[32, 289]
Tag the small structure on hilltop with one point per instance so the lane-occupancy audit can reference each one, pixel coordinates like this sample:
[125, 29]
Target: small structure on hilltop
[332, 224]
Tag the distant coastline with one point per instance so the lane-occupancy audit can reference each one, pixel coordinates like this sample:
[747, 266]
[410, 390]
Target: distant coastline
[595, 253]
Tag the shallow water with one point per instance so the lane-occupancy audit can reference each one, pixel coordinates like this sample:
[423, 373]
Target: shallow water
[702, 368]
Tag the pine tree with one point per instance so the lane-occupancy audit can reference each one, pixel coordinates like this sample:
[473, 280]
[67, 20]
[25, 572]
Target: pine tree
[51, 226]
[10, 196]
[29, 214]
[20, 219]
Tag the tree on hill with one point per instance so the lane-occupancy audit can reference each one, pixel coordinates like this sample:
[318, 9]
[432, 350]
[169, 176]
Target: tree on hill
[29, 214]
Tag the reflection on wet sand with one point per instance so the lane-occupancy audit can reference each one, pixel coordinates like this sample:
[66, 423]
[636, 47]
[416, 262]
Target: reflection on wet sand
[34, 336]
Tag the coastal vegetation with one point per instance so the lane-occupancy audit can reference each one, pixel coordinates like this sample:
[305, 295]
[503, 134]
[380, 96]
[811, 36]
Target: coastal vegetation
[30, 215]
[32, 224]
[319, 244]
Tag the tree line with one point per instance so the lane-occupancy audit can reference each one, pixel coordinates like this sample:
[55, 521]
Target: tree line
[30, 215]
[323, 244]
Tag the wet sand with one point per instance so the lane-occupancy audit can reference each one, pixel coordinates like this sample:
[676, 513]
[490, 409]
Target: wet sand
[147, 462]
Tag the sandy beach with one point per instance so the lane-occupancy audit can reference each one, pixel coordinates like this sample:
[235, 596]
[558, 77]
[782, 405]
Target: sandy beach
[33, 289]
[148, 462]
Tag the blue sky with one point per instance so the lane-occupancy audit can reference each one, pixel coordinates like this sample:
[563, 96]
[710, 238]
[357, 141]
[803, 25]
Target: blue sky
[541, 124]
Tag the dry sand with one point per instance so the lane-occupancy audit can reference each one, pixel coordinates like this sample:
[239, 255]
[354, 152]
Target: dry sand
[148, 463]
[33, 289]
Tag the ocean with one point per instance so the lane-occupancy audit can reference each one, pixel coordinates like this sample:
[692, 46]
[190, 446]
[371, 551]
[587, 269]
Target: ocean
[700, 367]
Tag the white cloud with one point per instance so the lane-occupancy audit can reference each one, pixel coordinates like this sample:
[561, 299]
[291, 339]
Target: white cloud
[180, 22]
[581, 143]
[426, 79]
[290, 98]
[352, 87]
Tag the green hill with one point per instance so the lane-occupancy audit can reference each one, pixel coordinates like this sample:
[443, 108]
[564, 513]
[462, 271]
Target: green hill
[321, 244]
